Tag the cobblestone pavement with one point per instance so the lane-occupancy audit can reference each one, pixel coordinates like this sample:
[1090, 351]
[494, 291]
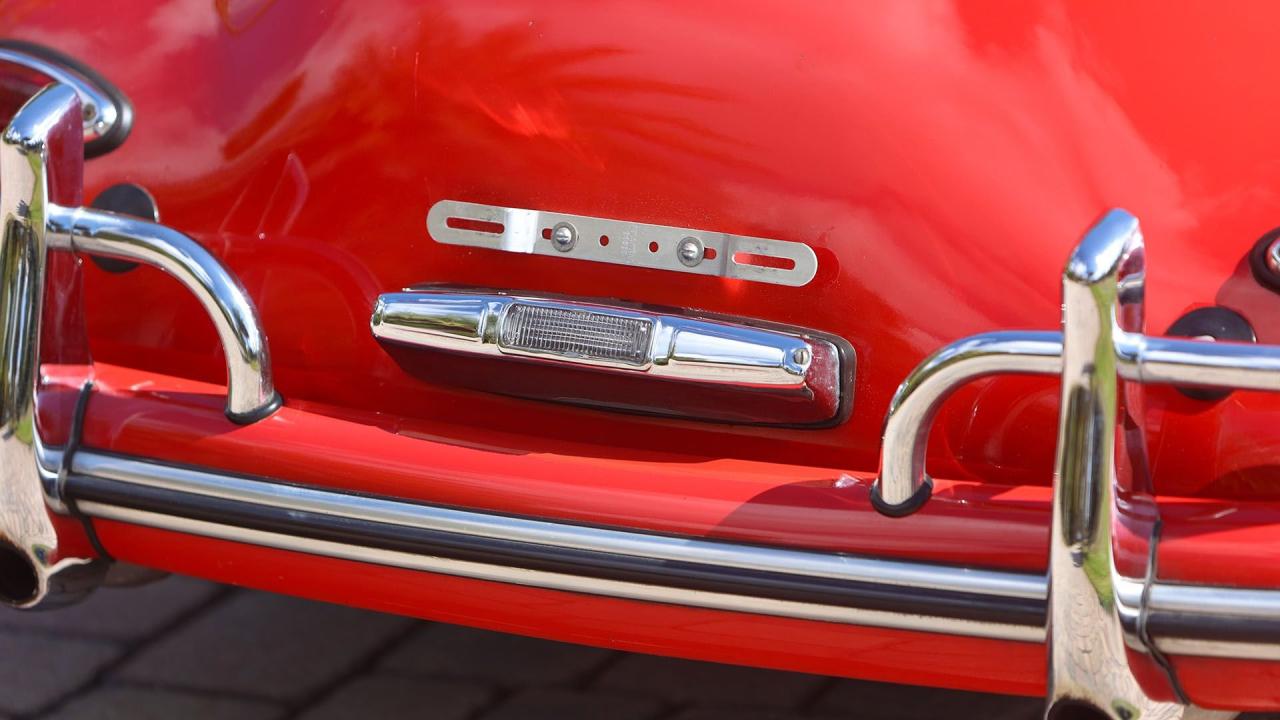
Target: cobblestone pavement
[185, 648]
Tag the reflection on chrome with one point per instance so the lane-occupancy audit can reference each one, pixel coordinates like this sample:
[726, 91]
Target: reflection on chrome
[31, 561]
[106, 116]
[1102, 297]
[622, 242]
[1098, 615]
[45, 137]
[903, 485]
[250, 392]
[658, 344]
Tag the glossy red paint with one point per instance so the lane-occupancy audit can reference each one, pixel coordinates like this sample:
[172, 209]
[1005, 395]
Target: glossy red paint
[941, 159]
[969, 146]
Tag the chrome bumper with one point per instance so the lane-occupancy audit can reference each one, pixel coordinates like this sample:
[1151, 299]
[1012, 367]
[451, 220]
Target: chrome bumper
[1106, 611]
[41, 154]
[1094, 604]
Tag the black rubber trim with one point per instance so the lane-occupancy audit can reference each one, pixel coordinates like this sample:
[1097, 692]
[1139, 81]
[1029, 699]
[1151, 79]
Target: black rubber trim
[124, 109]
[64, 470]
[250, 418]
[1144, 615]
[913, 503]
[1199, 626]
[493, 551]
[1219, 323]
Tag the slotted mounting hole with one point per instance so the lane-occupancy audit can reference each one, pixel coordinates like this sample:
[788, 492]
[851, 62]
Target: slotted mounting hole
[765, 261]
[604, 241]
[709, 253]
[546, 233]
[484, 226]
[653, 247]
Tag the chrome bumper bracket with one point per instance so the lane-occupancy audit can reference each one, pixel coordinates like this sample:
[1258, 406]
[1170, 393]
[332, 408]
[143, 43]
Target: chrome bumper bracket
[46, 138]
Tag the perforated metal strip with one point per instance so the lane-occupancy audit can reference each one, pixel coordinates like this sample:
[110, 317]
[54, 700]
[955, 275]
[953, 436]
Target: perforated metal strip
[622, 243]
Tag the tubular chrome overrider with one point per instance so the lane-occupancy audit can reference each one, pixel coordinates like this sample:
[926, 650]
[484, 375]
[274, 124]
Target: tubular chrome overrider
[903, 485]
[106, 115]
[44, 137]
[1107, 612]
[250, 392]
[661, 345]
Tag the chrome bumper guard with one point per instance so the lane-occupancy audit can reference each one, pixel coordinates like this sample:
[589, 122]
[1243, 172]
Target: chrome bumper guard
[1106, 609]
[42, 160]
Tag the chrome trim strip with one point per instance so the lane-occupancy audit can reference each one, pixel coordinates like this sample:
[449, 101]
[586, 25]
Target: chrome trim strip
[1206, 601]
[1243, 603]
[1208, 605]
[678, 348]
[106, 115]
[846, 568]
[665, 550]
[569, 583]
[251, 394]
[635, 244]
[1218, 649]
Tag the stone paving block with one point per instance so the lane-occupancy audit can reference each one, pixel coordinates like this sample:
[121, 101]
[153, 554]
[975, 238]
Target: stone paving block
[119, 613]
[555, 704]
[146, 703]
[264, 645]
[37, 670]
[385, 696]
[737, 713]
[686, 681]
[504, 660]
[900, 702]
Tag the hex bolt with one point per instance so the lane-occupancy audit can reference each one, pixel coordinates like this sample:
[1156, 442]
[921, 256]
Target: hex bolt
[1273, 256]
[564, 236]
[690, 251]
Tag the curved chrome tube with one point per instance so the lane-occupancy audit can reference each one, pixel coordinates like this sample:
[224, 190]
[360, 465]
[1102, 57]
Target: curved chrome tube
[106, 114]
[250, 393]
[903, 486]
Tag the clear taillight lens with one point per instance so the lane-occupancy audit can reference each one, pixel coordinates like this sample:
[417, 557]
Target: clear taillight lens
[576, 333]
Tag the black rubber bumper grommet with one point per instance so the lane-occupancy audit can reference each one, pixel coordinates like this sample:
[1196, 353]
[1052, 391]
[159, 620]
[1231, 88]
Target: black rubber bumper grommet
[1262, 272]
[250, 418]
[913, 503]
[1219, 323]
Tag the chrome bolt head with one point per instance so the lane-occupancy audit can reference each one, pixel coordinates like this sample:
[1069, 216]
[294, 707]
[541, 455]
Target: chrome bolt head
[564, 236]
[690, 251]
[800, 356]
[1273, 256]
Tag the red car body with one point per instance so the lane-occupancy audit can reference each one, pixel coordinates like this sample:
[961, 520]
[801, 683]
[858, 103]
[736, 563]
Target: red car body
[940, 159]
